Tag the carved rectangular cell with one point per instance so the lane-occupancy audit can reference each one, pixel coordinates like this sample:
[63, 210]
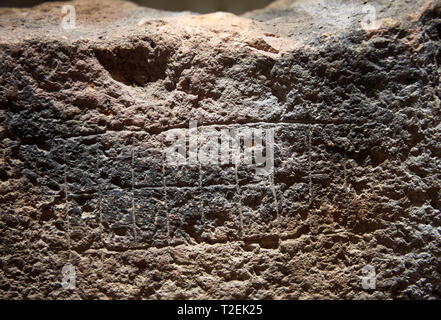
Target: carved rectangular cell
[218, 175]
[181, 175]
[247, 175]
[296, 195]
[259, 210]
[116, 168]
[44, 169]
[185, 218]
[294, 207]
[255, 147]
[150, 217]
[85, 209]
[328, 162]
[148, 168]
[291, 155]
[291, 171]
[82, 157]
[180, 169]
[117, 218]
[221, 214]
[120, 156]
[84, 212]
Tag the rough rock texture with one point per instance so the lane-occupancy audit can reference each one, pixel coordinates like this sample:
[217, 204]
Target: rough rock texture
[356, 113]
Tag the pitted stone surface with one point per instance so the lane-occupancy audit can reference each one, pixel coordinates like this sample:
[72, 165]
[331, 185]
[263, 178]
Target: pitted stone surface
[84, 118]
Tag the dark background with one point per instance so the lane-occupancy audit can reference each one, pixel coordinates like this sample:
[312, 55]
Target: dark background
[203, 6]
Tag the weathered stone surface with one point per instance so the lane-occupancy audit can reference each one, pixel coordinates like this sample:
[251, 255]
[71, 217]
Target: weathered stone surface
[84, 115]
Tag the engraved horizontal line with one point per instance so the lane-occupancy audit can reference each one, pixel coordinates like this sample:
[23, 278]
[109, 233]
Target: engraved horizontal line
[283, 122]
[160, 188]
[257, 123]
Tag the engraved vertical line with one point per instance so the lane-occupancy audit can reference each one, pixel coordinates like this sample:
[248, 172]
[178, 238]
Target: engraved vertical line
[201, 204]
[270, 150]
[164, 186]
[133, 193]
[309, 163]
[100, 193]
[66, 200]
[273, 190]
[240, 201]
